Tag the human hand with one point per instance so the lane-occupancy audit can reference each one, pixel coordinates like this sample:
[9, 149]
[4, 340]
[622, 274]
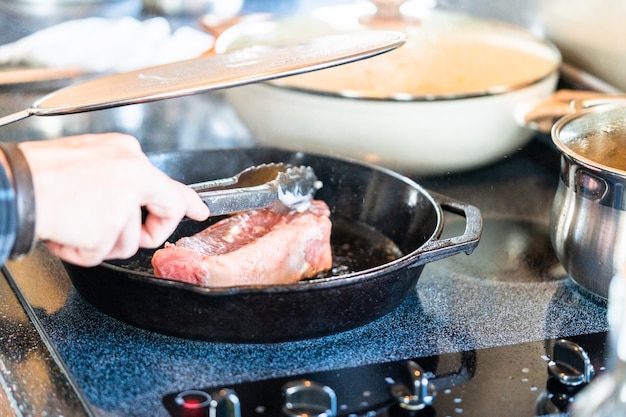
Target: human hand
[89, 191]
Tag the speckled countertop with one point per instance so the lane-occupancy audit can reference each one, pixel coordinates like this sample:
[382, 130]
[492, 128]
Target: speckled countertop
[510, 290]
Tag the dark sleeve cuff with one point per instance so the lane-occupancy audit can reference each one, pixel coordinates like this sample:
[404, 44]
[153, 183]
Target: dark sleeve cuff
[23, 201]
[8, 216]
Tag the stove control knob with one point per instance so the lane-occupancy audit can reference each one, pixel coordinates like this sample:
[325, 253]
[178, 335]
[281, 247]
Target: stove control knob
[420, 394]
[308, 398]
[222, 403]
[225, 403]
[570, 364]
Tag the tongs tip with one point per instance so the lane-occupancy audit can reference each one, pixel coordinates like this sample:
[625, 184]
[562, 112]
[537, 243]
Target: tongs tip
[297, 185]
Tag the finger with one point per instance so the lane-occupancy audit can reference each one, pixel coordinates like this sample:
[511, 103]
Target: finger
[128, 238]
[179, 200]
[197, 209]
[77, 256]
[156, 230]
[167, 209]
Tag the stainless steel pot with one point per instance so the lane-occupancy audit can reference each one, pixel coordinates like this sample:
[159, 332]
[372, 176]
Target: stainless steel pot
[588, 222]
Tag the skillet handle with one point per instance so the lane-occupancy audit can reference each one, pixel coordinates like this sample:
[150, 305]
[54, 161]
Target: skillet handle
[436, 249]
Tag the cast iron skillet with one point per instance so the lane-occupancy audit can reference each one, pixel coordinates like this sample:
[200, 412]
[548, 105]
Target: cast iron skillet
[375, 200]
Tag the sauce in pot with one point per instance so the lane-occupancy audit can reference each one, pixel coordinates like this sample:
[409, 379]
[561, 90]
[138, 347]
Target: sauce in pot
[439, 66]
[606, 147]
[446, 55]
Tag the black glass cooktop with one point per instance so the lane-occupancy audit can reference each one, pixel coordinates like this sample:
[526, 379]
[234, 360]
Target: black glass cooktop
[508, 381]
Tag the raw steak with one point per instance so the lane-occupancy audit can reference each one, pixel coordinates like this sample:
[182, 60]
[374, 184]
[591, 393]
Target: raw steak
[249, 248]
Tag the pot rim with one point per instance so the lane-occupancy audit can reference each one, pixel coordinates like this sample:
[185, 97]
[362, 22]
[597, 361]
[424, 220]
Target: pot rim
[567, 151]
[411, 98]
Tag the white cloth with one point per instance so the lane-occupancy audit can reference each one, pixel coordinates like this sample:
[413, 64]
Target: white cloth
[106, 45]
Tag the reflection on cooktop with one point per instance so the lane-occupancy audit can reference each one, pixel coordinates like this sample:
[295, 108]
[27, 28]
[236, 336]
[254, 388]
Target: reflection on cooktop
[510, 250]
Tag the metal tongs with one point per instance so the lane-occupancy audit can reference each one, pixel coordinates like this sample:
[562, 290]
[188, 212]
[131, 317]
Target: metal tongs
[259, 186]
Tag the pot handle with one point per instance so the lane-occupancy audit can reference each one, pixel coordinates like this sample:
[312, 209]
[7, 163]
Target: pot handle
[442, 248]
[597, 100]
[587, 90]
[543, 115]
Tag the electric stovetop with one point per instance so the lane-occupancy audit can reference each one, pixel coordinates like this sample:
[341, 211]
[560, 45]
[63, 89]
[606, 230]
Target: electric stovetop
[476, 326]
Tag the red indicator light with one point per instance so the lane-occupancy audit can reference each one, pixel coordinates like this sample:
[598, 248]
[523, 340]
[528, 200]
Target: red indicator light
[194, 403]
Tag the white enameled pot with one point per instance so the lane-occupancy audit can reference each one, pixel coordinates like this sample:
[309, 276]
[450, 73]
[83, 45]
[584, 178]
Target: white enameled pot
[420, 134]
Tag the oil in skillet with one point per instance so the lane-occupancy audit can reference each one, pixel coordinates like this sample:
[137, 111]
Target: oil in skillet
[357, 247]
